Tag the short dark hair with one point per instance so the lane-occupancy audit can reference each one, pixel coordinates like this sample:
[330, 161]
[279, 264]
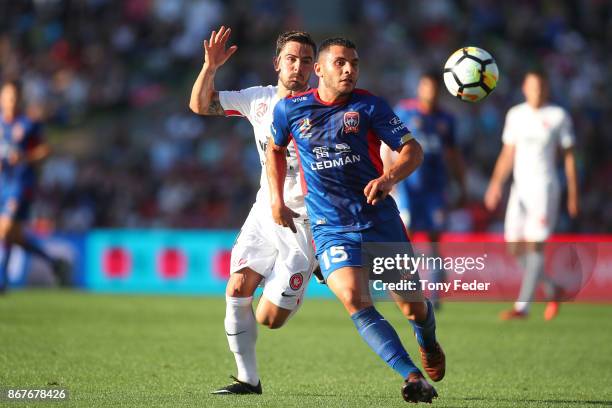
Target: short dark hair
[341, 41]
[431, 74]
[301, 37]
[538, 72]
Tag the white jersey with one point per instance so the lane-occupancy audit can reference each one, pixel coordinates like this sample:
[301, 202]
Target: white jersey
[536, 135]
[257, 105]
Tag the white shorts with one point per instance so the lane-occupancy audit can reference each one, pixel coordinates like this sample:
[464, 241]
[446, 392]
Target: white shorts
[285, 259]
[531, 215]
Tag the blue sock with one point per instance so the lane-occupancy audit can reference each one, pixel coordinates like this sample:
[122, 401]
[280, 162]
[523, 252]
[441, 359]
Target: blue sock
[426, 330]
[383, 339]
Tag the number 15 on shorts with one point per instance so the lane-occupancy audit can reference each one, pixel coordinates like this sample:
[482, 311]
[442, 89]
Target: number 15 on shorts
[339, 256]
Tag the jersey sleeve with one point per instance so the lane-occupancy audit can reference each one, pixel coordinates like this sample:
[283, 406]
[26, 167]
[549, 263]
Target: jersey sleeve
[388, 126]
[509, 133]
[280, 126]
[566, 132]
[238, 103]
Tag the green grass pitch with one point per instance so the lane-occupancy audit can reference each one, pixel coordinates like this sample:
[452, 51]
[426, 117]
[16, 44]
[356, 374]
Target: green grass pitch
[154, 351]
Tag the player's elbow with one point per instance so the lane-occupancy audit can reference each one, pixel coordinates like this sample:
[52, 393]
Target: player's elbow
[197, 108]
[274, 151]
[416, 152]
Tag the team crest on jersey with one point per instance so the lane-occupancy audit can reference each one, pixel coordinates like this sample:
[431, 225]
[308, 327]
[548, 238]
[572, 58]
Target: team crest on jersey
[296, 280]
[351, 122]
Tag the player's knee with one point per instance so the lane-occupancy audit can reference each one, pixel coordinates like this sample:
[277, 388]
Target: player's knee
[236, 286]
[236, 291]
[351, 299]
[514, 248]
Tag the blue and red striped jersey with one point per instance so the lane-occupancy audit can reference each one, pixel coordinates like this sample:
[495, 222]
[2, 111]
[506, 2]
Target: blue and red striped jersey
[338, 149]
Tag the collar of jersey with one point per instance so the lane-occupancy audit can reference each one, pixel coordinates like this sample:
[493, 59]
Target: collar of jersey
[318, 99]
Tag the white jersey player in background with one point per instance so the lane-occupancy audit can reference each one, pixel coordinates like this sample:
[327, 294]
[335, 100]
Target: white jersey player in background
[533, 133]
[264, 251]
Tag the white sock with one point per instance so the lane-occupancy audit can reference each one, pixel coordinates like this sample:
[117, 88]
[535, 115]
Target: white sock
[522, 307]
[534, 269]
[241, 333]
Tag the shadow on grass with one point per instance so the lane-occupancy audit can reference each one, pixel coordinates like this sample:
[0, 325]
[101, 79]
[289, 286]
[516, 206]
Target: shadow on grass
[345, 397]
[369, 396]
[547, 401]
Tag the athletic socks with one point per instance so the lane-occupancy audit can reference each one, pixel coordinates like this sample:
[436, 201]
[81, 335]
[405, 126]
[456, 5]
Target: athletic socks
[425, 330]
[534, 269]
[241, 332]
[382, 338]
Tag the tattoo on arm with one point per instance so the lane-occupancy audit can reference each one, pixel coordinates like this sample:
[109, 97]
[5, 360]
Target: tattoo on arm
[215, 108]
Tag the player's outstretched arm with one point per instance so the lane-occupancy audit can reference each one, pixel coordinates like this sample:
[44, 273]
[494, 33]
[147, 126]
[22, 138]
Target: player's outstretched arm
[569, 159]
[502, 170]
[204, 99]
[276, 170]
[410, 156]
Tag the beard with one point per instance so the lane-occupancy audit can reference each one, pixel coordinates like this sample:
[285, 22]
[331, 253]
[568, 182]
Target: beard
[294, 84]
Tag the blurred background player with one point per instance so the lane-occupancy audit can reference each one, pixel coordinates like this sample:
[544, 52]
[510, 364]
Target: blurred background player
[92, 63]
[263, 252]
[421, 197]
[338, 131]
[533, 132]
[21, 150]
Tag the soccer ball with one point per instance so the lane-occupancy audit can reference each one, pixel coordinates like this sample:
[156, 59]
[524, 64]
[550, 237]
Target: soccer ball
[470, 74]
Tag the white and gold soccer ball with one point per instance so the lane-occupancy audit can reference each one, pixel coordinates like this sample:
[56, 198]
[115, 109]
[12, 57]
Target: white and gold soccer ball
[470, 74]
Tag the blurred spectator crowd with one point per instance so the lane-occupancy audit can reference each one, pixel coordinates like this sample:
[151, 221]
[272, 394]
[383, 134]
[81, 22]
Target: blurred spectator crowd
[111, 80]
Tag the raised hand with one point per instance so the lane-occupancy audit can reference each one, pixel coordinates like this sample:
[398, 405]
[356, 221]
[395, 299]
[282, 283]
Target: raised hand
[378, 189]
[215, 53]
[492, 196]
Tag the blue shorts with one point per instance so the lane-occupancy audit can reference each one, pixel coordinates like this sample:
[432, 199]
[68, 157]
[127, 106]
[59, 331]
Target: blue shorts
[426, 211]
[15, 199]
[337, 250]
